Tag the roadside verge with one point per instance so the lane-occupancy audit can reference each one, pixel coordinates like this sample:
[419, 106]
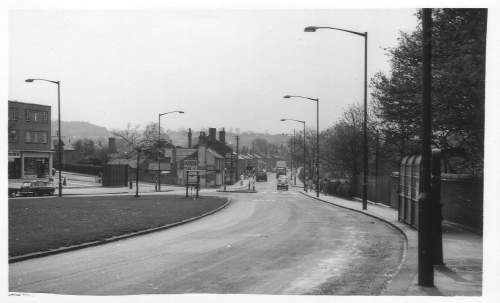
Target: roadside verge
[47, 252]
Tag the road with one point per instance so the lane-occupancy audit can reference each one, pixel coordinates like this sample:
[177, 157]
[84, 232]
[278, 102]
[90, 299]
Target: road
[270, 242]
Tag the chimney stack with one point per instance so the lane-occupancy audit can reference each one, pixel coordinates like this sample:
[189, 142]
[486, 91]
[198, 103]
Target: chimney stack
[190, 138]
[212, 134]
[222, 136]
[112, 145]
[202, 139]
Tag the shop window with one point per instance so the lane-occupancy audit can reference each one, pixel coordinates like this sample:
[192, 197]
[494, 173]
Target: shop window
[36, 167]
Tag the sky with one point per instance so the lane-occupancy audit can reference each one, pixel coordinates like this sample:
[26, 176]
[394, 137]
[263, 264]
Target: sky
[224, 68]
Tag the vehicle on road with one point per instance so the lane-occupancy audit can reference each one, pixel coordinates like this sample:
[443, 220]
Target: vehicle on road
[13, 191]
[36, 188]
[282, 182]
[261, 176]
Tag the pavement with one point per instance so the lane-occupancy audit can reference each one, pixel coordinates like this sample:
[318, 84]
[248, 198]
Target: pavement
[461, 274]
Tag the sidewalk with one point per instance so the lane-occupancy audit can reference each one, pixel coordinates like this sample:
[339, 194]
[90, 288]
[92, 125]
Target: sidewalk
[461, 275]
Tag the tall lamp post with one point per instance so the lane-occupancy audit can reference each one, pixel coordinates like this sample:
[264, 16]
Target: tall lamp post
[365, 138]
[159, 140]
[59, 145]
[317, 136]
[304, 155]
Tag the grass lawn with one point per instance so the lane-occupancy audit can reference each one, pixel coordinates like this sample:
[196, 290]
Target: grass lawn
[47, 223]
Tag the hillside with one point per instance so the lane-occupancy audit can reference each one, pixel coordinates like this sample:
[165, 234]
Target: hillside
[74, 130]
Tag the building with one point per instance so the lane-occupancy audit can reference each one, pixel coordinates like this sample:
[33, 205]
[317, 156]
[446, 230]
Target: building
[29, 128]
[211, 156]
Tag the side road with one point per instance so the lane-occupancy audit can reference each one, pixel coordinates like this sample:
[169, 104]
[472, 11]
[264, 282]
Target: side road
[461, 275]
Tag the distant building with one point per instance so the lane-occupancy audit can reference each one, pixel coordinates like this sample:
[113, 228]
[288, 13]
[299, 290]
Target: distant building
[213, 158]
[29, 128]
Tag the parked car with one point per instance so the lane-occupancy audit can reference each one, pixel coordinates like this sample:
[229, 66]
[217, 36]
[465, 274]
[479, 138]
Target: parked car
[282, 182]
[36, 188]
[261, 176]
[13, 191]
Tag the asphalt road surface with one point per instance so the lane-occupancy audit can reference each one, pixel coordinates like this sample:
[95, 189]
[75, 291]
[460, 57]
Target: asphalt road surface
[271, 242]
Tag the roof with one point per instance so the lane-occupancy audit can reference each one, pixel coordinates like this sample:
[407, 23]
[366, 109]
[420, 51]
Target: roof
[193, 156]
[118, 161]
[219, 147]
[29, 103]
[213, 152]
[183, 153]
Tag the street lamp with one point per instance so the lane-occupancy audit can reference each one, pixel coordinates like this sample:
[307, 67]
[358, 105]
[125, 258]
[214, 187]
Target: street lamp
[317, 136]
[59, 145]
[304, 155]
[310, 29]
[159, 140]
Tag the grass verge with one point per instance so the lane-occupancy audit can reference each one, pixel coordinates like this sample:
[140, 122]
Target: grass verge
[48, 223]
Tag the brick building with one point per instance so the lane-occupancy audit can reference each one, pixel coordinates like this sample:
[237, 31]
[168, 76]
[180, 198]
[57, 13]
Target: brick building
[29, 131]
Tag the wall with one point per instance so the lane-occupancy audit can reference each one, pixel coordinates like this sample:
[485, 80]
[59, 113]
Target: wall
[462, 201]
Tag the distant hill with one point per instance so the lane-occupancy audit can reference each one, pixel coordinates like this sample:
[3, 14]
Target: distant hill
[74, 130]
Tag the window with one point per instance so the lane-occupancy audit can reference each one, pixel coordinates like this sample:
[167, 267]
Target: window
[12, 113]
[43, 137]
[27, 137]
[12, 135]
[36, 116]
[35, 137]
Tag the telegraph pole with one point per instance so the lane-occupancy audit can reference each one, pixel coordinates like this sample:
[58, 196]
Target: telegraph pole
[425, 259]
[237, 157]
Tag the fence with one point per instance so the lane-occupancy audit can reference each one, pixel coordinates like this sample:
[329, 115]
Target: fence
[88, 169]
[115, 175]
[379, 189]
[461, 197]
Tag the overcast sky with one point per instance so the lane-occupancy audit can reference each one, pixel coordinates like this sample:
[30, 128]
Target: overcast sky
[224, 68]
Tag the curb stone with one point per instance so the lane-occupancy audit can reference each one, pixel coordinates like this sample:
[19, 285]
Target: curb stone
[115, 238]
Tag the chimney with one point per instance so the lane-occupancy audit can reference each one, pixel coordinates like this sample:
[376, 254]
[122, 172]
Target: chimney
[222, 136]
[212, 134]
[202, 139]
[112, 145]
[190, 138]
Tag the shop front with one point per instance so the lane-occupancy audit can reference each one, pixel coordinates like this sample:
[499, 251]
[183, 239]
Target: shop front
[30, 165]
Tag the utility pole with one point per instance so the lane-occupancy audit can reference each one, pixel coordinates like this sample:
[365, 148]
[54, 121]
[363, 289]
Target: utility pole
[425, 258]
[293, 153]
[376, 165]
[317, 148]
[137, 173]
[237, 157]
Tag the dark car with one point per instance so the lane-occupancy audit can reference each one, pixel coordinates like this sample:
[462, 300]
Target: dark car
[36, 188]
[261, 176]
[13, 191]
